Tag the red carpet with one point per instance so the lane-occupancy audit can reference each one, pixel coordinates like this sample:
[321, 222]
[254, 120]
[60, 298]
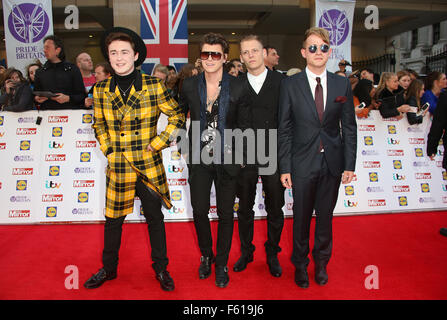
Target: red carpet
[409, 252]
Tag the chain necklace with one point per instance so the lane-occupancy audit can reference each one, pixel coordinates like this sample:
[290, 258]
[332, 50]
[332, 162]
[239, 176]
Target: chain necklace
[124, 93]
[210, 101]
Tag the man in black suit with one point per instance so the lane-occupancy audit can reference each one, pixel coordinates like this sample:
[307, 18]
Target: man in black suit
[437, 131]
[215, 101]
[317, 139]
[263, 92]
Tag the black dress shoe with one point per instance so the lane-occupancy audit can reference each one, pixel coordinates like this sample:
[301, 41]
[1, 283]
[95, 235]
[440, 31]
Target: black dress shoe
[274, 267]
[443, 231]
[166, 282]
[321, 276]
[99, 278]
[205, 266]
[241, 264]
[302, 278]
[222, 277]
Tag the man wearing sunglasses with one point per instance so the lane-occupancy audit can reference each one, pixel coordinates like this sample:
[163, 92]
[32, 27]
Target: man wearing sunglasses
[317, 142]
[263, 91]
[215, 101]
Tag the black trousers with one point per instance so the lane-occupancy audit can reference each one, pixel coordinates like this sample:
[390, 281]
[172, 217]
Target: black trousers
[200, 180]
[319, 191]
[274, 201]
[157, 235]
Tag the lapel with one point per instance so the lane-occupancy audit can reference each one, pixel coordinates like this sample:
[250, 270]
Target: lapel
[331, 93]
[304, 86]
[121, 109]
[267, 83]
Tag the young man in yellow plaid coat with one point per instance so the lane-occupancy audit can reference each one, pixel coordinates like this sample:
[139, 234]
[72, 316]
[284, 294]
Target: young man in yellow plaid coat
[126, 111]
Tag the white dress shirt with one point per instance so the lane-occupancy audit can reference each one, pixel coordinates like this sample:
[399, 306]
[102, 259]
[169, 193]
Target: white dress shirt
[256, 82]
[312, 78]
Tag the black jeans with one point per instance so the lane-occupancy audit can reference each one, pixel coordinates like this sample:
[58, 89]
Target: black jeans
[274, 201]
[200, 180]
[156, 227]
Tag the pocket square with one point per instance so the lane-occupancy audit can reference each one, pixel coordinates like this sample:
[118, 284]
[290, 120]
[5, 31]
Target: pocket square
[341, 99]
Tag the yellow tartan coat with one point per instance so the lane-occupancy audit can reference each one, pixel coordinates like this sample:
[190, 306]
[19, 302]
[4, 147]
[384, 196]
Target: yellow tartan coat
[125, 130]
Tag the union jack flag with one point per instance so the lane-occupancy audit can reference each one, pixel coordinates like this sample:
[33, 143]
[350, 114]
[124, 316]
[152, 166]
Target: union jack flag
[164, 30]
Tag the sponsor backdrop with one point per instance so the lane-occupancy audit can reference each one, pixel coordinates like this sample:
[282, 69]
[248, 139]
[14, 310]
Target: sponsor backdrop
[26, 24]
[54, 172]
[337, 17]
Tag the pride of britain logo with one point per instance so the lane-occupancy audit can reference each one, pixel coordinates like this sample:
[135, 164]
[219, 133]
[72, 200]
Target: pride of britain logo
[337, 24]
[28, 22]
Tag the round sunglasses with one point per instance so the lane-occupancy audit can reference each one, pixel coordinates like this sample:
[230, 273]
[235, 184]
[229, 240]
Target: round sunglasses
[323, 48]
[204, 55]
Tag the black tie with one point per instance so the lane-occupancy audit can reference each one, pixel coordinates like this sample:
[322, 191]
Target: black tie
[319, 104]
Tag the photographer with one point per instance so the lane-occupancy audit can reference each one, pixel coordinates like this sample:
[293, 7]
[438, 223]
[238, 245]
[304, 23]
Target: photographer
[16, 92]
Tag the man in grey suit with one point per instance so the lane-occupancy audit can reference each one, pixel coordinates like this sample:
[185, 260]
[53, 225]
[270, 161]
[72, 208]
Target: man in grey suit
[317, 142]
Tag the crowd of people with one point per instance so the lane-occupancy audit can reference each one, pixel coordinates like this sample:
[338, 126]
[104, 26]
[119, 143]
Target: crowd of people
[218, 95]
[70, 86]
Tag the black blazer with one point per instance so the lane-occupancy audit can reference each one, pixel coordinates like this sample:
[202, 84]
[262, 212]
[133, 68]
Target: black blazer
[438, 126]
[264, 106]
[300, 129]
[237, 113]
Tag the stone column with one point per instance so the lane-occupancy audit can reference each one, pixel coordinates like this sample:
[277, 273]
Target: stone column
[127, 14]
[439, 46]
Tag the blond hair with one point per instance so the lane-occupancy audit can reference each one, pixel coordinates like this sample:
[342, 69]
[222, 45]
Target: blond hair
[322, 33]
[383, 80]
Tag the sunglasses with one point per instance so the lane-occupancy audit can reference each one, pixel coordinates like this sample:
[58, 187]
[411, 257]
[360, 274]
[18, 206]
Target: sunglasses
[204, 55]
[323, 48]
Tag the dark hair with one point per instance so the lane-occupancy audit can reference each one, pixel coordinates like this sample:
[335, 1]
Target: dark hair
[10, 71]
[37, 63]
[119, 36]
[215, 38]
[414, 90]
[106, 67]
[185, 72]
[7, 75]
[171, 68]
[58, 43]
[362, 91]
[366, 69]
[414, 73]
[228, 66]
[267, 47]
[431, 78]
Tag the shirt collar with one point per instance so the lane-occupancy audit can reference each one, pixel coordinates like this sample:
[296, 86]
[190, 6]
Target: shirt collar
[314, 76]
[260, 76]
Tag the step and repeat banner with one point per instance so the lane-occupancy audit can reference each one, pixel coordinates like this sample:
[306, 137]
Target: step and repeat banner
[54, 172]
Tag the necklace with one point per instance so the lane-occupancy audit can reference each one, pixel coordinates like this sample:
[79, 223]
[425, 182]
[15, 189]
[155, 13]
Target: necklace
[210, 101]
[124, 93]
